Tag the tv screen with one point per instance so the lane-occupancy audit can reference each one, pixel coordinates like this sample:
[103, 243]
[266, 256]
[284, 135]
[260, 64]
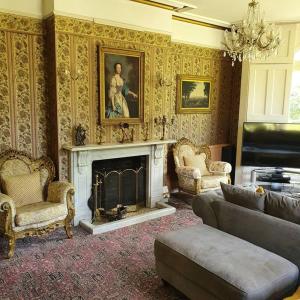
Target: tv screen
[271, 145]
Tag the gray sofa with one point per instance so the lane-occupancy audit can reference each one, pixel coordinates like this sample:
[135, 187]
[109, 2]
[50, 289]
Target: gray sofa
[237, 253]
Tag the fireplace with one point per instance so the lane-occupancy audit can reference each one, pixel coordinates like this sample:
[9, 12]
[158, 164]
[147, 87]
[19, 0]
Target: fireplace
[84, 160]
[119, 182]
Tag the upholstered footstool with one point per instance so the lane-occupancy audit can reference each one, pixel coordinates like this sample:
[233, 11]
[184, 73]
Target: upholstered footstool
[205, 263]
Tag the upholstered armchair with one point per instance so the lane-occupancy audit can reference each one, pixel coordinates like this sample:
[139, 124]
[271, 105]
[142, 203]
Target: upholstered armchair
[30, 203]
[195, 170]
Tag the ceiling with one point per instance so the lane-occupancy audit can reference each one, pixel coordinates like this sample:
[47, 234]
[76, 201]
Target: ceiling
[230, 11]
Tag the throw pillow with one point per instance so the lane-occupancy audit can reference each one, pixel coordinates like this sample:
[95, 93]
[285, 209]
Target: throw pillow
[283, 207]
[24, 189]
[197, 161]
[244, 197]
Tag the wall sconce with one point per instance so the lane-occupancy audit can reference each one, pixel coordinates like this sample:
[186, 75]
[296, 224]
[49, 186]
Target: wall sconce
[65, 73]
[164, 81]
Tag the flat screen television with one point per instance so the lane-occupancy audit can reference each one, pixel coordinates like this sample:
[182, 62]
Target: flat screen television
[271, 145]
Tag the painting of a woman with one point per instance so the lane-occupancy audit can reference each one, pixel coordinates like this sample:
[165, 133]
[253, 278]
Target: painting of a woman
[121, 86]
[118, 91]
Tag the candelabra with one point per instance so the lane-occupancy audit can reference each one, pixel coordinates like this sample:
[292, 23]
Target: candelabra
[145, 131]
[163, 121]
[101, 129]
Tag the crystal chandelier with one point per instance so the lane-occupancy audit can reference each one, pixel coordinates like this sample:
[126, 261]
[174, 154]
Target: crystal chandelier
[253, 38]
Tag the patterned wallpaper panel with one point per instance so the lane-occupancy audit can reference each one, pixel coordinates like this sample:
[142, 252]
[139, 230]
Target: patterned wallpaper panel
[23, 105]
[78, 100]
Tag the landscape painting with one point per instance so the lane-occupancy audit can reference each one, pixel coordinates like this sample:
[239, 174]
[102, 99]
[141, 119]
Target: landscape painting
[193, 94]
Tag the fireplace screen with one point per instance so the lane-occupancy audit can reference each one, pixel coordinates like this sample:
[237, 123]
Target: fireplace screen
[118, 183]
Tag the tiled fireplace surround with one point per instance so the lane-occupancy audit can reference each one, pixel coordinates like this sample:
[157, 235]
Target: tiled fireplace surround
[81, 160]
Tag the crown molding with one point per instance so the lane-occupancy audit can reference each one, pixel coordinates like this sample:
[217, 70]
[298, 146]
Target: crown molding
[197, 22]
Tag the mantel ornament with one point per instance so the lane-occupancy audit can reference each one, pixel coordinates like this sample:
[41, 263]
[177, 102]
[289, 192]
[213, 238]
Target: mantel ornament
[127, 133]
[80, 135]
[163, 121]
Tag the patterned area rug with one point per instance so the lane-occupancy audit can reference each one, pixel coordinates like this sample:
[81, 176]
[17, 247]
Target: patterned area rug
[115, 265]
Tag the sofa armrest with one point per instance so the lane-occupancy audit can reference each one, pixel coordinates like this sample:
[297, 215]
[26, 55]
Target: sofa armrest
[190, 172]
[58, 191]
[219, 167]
[7, 213]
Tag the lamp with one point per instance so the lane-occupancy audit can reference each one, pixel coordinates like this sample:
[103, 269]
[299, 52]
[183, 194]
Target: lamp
[64, 73]
[251, 39]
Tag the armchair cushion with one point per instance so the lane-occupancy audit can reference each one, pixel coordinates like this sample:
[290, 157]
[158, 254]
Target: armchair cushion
[213, 181]
[197, 161]
[24, 189]
[219, 167]
[39, 212]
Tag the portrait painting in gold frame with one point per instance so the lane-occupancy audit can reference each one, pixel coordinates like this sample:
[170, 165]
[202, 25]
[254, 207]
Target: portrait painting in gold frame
[193, 94]
[121, 85]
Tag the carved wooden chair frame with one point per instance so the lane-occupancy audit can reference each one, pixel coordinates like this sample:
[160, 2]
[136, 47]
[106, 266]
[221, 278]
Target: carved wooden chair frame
[6, 219]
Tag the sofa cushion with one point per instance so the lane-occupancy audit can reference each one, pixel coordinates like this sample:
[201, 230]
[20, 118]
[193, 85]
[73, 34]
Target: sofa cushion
[212, 181]
[224, 264]
[39, 212]
[283, 207]
[244, 197]
[197, 161]
[23, 189]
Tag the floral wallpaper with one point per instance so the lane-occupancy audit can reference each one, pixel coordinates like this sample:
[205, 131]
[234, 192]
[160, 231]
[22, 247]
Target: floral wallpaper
[25, 106]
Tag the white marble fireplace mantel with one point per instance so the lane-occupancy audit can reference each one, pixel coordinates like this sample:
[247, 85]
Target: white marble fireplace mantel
[81, 159]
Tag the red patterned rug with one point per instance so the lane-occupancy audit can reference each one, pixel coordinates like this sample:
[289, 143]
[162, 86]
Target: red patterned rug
[115, 265]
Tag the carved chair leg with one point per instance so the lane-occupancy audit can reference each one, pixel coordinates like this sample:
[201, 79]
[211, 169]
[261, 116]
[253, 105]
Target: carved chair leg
[11, 246]
[68, 229]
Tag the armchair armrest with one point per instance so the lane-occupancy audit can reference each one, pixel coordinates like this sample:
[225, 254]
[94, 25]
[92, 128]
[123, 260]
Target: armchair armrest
[190, 172]
[219, 167]
[7, 213]
[58, 191]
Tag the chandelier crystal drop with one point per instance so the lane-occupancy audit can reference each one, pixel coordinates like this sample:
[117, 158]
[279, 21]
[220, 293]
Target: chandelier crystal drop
[251, 39]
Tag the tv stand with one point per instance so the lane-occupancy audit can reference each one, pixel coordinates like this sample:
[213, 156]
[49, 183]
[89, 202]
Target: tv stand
[275, 178]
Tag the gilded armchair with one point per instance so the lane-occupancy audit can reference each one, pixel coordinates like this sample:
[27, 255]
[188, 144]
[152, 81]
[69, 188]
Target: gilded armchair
[195, 170]
[30, 203]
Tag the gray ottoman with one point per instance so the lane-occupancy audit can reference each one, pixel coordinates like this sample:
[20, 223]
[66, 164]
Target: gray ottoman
[205, 263]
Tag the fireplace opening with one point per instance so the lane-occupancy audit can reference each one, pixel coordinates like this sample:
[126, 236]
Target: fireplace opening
[119, 186]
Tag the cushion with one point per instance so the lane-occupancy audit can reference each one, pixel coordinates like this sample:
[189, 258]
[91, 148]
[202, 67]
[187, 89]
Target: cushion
[24, 189]
[197, 161]
[213, 181]
[244, 197]
[39, 212]
[223, 264]
[283, 207]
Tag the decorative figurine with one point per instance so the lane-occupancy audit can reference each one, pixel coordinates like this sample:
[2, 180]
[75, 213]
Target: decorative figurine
[101, 133]
[145, 131]
[127, 133]
[80, 135]
[163, 121]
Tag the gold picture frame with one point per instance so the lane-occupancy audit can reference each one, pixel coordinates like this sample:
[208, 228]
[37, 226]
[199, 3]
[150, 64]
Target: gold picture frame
[121, 85]
[193, 94]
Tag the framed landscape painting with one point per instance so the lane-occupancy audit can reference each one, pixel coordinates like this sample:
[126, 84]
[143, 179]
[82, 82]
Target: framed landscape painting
[193, 94]
[121, 86]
